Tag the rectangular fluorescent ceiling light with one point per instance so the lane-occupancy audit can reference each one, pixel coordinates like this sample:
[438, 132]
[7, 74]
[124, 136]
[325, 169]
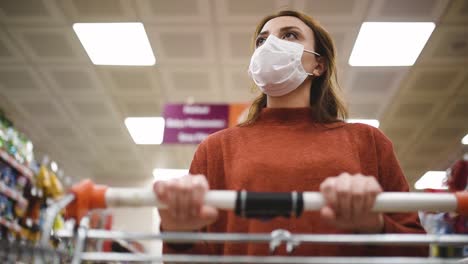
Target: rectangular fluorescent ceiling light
[370, 122]
[432, 180]
[160, 174]
[464, 140]
[390, 43]
[146, 130]
[115, 43]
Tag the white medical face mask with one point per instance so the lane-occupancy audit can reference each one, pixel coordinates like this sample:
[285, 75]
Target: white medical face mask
[276, 66]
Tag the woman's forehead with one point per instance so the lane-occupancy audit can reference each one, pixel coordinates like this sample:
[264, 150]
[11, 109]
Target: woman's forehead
[277, 23]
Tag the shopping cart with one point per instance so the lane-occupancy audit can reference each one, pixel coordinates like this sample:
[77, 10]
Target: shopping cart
[87, 196]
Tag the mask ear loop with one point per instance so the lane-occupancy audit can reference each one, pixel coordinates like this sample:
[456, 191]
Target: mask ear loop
[312, 52]
[312, 74]
[316, 54]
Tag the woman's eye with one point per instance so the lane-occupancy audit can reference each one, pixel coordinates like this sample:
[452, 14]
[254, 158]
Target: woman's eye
[289, 36]
[259, 42]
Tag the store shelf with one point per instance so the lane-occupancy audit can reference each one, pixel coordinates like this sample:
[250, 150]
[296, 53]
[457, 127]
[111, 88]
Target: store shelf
[12, 194]
[10, 225]
[25, 171]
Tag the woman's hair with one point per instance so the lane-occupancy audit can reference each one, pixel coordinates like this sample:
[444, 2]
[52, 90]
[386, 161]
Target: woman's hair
[325, 94]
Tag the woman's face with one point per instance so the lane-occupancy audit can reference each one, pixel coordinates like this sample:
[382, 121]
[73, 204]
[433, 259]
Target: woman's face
[292, 29]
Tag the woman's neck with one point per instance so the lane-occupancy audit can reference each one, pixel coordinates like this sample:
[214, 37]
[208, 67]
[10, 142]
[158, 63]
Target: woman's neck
[300, 97]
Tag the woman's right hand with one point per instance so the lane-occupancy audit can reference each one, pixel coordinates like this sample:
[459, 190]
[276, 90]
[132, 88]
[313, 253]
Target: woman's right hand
[184, 199]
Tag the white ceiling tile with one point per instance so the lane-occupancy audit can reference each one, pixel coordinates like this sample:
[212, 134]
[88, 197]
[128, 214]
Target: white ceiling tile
[190, 81]
[445, 133]
[175, 11]
[49, 44]
[343, 37]
[118, 149]
[40, 108]
[432, 82]
[462, 89]
[364, 110]
[401, 132]
[236, 44]
[90, 109]
[72, 79]
[120, 166]
[107, 128]
[99, 11]
[238, 87]
[457, 12]
[414, 109]
[183, 83]
[245, 11]
[9, 52]
[447, 45]
[59, 131]
[329, 7]
[171, 44]
[107, 132]
[459, 110]
[126, 81]
[455, 44]
[137, 106]
[18, 80]
[402, 10]
[335, 11]
[374, 83]
[31, 12]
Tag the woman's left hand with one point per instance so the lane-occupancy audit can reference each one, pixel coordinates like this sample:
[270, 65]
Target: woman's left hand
[349, 200]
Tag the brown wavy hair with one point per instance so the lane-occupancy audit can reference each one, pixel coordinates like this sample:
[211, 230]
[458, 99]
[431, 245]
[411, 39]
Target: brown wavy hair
[325, 94]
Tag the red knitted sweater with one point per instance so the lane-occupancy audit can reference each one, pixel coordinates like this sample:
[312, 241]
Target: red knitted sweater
[285, 150]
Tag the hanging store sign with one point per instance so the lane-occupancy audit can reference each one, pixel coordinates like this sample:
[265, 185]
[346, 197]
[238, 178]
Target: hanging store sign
[191, 123]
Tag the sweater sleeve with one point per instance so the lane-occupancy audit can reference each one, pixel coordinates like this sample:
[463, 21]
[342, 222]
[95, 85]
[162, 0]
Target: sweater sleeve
[392, 179]
[199, 165]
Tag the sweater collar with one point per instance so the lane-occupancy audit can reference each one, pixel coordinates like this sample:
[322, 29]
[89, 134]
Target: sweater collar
[291, 116]
[285, 115]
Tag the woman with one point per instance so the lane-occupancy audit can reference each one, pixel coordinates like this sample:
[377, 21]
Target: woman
[294, 139]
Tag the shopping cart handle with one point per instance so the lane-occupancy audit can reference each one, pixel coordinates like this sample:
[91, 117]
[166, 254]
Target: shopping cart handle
[89, 196]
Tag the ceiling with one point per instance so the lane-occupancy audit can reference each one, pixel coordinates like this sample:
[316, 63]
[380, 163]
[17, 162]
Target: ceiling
[74, 110]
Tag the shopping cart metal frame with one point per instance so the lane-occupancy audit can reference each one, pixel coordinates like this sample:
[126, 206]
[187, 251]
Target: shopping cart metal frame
[275, 239]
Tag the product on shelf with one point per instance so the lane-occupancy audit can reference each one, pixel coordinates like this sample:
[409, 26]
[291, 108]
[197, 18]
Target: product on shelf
[4, 125]
[3, 205]
[32, 218]
[26, 149]
[14, 142]
[8, 177]
[48, 181]
[21, 182]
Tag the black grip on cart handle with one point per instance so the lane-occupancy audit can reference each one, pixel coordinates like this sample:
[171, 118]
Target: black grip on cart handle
[266, 205]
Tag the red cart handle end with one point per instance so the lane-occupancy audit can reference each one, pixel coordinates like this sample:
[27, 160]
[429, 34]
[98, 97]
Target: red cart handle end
[88, 196]
[462, 203]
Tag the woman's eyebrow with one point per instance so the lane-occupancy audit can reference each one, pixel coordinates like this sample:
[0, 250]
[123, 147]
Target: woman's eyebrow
[266, 32]
[289, 28]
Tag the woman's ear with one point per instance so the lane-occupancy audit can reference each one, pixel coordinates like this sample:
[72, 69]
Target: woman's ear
[320, 67]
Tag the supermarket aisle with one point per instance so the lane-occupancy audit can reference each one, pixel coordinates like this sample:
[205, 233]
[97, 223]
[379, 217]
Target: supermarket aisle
[125, 109]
